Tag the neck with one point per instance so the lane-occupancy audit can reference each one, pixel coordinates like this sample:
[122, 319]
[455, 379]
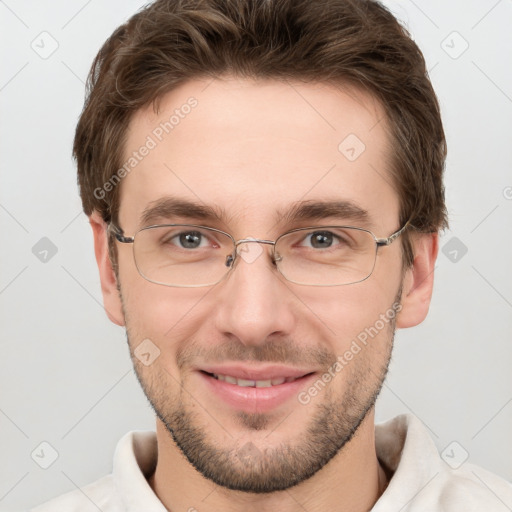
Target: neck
[352, 481]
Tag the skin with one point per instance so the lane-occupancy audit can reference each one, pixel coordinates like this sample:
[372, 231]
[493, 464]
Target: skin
[253, 148]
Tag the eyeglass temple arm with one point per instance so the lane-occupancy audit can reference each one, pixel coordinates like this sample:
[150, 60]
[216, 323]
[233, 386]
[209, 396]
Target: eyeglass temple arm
[393, 237]
[118, 233]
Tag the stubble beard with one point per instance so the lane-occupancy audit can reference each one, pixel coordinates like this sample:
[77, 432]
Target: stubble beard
[252, 469]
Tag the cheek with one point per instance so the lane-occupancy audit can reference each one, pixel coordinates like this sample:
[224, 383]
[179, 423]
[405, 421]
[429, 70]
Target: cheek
[166, 316]
[156, 322]
[347, 311]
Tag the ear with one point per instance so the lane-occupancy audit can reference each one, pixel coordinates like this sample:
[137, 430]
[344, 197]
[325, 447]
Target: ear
[418, 281]
[111, 297]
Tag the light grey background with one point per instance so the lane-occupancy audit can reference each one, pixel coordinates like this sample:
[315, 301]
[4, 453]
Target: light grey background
[66, 376]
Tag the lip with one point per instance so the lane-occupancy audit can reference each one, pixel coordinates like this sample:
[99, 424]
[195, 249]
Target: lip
[267, 372]
[253, 399]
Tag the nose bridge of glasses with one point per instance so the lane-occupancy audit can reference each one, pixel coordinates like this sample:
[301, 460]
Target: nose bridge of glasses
[230, 258]
[250, 239]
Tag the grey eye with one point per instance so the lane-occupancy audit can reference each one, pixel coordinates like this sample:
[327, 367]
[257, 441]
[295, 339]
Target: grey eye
[321, 239]
[190, 239]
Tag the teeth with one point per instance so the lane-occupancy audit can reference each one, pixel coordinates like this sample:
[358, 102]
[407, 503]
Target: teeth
[254, 383]
[263, 383]
[245, 383]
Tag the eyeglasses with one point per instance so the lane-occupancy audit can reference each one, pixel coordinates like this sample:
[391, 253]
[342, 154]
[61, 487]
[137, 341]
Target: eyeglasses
[188, 255]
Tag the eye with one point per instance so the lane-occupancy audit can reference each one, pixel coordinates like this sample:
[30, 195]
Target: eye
[188, 240]
[322, 239]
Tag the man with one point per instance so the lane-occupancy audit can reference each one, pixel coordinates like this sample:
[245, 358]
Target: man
[264, 183]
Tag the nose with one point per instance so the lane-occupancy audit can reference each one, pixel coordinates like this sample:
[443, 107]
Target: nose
[254, 301]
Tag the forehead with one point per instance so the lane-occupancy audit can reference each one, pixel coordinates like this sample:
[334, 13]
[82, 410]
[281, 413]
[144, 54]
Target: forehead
[251, 148]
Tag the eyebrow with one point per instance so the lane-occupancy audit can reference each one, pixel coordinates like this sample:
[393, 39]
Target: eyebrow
[319, 210]
[169, 207]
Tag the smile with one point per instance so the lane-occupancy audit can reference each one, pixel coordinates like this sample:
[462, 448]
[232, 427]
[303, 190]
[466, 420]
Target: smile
[246, 383]
[263, 394]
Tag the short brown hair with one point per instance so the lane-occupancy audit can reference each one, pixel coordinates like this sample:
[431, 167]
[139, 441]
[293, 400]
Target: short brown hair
[353, 42]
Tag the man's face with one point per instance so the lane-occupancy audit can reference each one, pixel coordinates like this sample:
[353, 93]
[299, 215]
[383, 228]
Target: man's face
[250, 150]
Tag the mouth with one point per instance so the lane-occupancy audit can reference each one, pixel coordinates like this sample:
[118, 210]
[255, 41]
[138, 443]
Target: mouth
[253, 383]
[264, 392]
